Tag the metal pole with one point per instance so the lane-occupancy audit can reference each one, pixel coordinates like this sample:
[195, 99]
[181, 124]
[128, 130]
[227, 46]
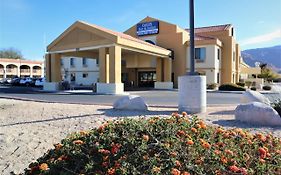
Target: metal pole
[191, 31]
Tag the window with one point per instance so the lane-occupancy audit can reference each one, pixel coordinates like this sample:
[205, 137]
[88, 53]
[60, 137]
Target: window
[97, 62]
[72, 77]
[172, 54]
[218, 78]
[232, 31]
[61, 62]
[72, 62]
[84, 62]
[200, 54]
[85, 75]
[219, 54]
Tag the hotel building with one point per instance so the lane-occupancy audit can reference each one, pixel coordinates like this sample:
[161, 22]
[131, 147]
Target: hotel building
[152, 53]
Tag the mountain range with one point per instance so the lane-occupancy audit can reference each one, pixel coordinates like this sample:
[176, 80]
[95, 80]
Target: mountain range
[269, 55]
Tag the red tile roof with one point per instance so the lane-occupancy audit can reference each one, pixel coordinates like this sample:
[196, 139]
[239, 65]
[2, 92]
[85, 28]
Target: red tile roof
[20, 61]
[200, 37]
[211, 28]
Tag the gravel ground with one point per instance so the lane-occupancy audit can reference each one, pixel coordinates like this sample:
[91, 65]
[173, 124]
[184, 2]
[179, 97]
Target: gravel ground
[29, 129]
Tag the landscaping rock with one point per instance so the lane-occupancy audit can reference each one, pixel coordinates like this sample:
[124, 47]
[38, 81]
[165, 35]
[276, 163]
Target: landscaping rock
[258, 114]
[254, 96]
[130, 102]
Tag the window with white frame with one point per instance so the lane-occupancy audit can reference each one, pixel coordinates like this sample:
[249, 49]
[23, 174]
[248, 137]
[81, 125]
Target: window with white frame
[72, 62]
[85, 75]
[219, 53]
[200, 54]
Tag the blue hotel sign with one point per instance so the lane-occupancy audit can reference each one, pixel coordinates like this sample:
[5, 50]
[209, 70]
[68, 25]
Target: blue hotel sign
[148, 28]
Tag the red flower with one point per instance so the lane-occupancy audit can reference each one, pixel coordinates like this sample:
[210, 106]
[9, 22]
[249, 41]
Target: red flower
[234, 169]
[104, 151]
[115, 148]
[175, 171]
[111, 171]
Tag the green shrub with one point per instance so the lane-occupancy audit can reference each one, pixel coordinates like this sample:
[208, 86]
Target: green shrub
[177, 145]
[266, 88]
[277, 106]
[242, 84]
[231, 87]
[253, 88]
[212, 86]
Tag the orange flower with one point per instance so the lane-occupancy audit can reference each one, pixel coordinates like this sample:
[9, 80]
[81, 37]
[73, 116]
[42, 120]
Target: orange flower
[104, 151]
[184, 114]
[62, 157]
[78, 142]
[206, 145]
[173, 154]
[234, 168]
[84, 133]
[198, 126]
[194, 130]
[185, 173]
[219, 130]
[228, 152]
[217, 152]
[175, 171]
[180, 133]
[262, 152]
[145, 137]
[178, 163]
[43, 167]
[145, 157]
[198, 161]
[58, 146]
[189, 142]
[203, 126]
[111, 171]
[224, 160]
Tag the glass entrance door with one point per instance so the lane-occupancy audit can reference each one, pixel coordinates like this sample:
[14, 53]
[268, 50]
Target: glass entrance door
[147, 79]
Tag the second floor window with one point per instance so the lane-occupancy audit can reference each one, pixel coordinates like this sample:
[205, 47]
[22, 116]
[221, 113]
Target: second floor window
[72, 62]
[200, 54]
[84, 62]
[219, 54]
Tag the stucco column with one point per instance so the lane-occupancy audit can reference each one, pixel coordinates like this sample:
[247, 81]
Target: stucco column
[31, 71]
[48, 67]
[159, 70]
[115, 64]
[55, 68]
[103, 65]
[167, 70]
[5, 71]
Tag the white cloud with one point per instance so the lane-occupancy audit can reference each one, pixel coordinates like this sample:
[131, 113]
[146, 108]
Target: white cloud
[262, 38]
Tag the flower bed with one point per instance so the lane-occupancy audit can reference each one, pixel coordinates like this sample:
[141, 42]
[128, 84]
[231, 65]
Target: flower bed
[178, 145]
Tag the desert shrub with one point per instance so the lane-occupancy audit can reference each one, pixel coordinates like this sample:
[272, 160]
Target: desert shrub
[266, 88]
[177, 145]
[212, 86]
[277, 106]
[253, 88]
[242, 84]
[231, 87]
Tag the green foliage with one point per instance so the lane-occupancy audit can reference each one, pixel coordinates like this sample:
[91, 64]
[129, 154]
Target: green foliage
[242, 84]
[212, 86]
[266, 88]
[267, 73]
[11, 53]
[231, 87]
[248, 84]
[177, 145]
[277, 106]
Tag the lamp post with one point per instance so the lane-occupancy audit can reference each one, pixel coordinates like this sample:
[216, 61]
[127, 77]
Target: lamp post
[191, 31]
[192, 87]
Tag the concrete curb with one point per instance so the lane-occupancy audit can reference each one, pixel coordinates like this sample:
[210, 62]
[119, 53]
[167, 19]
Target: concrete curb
[102, 104]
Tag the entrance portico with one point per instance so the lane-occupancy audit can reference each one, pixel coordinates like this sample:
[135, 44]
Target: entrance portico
[110, 48]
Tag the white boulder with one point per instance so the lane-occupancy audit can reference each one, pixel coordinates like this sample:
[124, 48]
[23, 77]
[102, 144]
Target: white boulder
[258, 114]
[130, 102]
[254, 96]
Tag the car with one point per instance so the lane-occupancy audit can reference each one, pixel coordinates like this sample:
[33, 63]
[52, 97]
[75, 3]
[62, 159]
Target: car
[5, 80]
[15, 82]
[40, 82]
[27, 81]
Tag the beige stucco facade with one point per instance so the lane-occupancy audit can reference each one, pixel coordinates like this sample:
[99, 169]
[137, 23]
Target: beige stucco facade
[10, 68]
[160, 58]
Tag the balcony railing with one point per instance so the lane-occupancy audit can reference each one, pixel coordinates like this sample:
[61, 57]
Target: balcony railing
[11, 70]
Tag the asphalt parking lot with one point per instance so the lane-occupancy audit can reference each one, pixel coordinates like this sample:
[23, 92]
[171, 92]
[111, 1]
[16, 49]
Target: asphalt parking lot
[152, 97]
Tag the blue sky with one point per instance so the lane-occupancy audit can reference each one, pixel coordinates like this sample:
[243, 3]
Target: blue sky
[29, 25]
